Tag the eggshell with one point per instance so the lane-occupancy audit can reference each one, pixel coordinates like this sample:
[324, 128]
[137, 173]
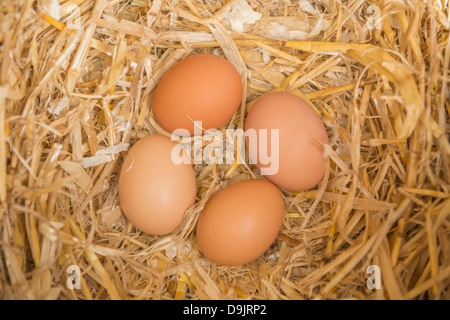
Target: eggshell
[155, 192]
[201, 87]
[301, 165]
[240, 222]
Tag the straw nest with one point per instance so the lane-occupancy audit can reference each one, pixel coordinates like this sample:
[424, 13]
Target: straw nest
[76, 85]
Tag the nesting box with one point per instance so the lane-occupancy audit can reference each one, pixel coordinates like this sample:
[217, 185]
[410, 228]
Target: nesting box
[77, 79]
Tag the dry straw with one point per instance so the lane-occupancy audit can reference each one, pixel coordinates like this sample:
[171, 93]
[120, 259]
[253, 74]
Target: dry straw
[76, 85]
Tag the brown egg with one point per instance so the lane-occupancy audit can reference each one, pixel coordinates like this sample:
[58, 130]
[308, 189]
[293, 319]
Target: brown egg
[202, 87]
[296, 157]
[155, 192]
[240, 222]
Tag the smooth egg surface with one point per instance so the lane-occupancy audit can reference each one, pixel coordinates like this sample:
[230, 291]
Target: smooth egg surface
[155, 192]
[240, 222]
[201, 87]
[300, 163]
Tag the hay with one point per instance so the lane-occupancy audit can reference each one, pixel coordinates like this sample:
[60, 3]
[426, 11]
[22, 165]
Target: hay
[76, 92]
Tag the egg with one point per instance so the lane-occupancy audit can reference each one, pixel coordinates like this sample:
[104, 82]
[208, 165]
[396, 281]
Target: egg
[204, 88]
[240, 222]
[154, 191]
[296, 157]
